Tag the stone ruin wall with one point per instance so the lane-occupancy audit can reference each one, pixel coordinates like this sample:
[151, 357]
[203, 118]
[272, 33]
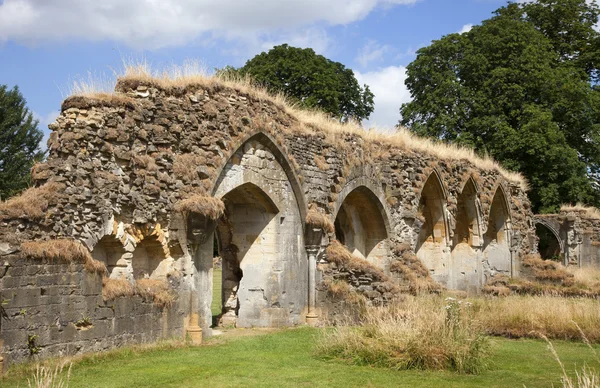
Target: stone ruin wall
[126, 160]
[577, 234]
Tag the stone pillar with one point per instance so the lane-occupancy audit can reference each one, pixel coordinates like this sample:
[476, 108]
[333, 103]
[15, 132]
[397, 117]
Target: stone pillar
[312, 317]
[313, 239]
[200, 231]
[194, 331]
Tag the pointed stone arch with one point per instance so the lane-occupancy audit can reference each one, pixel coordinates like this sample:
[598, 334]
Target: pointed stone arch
[497, 238]
[433, 234]
[267, 141]
[362, 221]
[550, 244]
[467, 239]
[261, 237]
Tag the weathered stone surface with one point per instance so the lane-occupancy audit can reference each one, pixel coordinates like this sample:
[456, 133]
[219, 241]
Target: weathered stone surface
[127, 162]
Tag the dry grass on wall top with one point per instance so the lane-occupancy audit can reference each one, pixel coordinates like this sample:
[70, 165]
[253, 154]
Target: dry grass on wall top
[62, 251]
[339, 254]
[319, 220]
[414, 271]
[32, 204]
[585, 211]
[154, 290]
[209, 207]
[181, 80]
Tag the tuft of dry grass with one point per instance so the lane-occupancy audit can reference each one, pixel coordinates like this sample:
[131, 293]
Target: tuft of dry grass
[518, 316]
[191, 76]
[145, 162]
[418, 333]
[32, 204]
[46, 377]
[320, 162]
[155, 290]
[584, 211]
[210, 207]
[341, 256]
[414, 271]
[184, 166]
[316, 219]
[62, 251]
[547, 270]
[115, 288]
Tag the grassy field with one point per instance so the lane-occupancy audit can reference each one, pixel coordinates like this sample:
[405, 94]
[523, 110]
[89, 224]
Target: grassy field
[286, 358]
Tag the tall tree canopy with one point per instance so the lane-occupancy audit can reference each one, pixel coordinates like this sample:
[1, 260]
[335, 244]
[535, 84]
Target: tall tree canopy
[19, 142]
[311, 80]
[522, 88]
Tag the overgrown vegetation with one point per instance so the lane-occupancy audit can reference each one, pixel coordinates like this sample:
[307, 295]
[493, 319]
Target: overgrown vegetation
[62, 251]
[547, 277]
[318, 220]
[189, 77]
[414, 272]
[32, 204]
[207, 206]
[415, 334]
[154, 290]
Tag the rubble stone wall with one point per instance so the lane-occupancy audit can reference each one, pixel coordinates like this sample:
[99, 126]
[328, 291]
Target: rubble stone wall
[126, 160]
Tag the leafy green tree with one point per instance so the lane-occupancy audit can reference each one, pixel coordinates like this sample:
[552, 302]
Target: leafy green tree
[517, 89]
[310, 80]
[19, 142]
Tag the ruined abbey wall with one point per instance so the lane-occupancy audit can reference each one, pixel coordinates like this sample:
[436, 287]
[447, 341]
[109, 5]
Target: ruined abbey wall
[122, 163]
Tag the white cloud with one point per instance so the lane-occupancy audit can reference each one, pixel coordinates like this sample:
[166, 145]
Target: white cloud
[154, 24]
[466, 28]
[390, 92]
[44, 121]
[372, 52]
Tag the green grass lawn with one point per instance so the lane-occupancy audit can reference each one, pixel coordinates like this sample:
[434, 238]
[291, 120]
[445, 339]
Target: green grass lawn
[287, 358]
[215, 306]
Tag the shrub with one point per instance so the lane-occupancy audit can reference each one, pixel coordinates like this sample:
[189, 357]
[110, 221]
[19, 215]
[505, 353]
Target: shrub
[420, 333]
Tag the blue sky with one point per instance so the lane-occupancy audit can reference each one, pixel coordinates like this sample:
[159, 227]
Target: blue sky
[47, 44]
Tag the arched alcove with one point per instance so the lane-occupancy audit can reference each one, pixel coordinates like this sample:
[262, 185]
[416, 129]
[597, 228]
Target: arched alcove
[466, 240]
[109, 250]
[549, 245]
[147, 256]
[260, 237]
[247, 236]
[432, 237]
[360, 226]
[496, 241]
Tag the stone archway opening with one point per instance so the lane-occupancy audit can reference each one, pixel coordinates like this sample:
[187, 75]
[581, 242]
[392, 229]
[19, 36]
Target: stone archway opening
[110, 251]
[247, 237]
[149, 253]
[496, 240]
[466, 239]
[431, 240]
[360, 226]
[549, 244]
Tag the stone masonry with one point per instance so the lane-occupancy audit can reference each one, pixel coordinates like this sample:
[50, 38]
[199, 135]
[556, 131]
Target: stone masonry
[124, 162]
